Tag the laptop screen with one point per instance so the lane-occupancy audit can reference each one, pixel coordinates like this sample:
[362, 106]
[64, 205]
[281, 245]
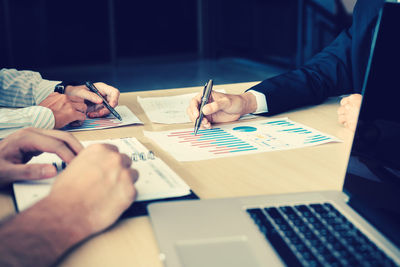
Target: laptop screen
[373, 174]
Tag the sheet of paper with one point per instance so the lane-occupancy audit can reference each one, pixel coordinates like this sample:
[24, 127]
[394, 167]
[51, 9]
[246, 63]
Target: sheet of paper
[156, 179]
[170, 109]
[128, 118]
[238, 139]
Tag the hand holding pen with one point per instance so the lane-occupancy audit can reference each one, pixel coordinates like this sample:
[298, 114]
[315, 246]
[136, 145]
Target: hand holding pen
[93, 89]
[204, 100]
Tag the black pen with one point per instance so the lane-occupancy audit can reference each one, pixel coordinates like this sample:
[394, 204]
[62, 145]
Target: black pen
[204, 100]
[96, 91]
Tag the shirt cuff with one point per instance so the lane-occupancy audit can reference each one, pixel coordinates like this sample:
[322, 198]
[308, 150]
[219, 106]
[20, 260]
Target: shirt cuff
[261, 100]
[44, 89]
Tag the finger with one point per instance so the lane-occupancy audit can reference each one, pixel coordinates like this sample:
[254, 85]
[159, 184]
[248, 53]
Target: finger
[66, 137]
[126, 161]
[99, 113]
[80, 106]
[216, 106]
[86, 94]
[45, 143]
[341, 111]
[112, 94]
[20, 172]
[342, 119]
[205, 123]
[110, 147]
[75, 99]
[134, 174]
[344, 101]
[194, 107]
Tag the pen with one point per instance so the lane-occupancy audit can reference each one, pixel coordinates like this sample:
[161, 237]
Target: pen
[204, 100]
[96, 91]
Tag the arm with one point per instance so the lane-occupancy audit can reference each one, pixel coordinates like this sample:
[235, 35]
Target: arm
[23, 88]
[12, 120]
[86, 198]
[328, 73]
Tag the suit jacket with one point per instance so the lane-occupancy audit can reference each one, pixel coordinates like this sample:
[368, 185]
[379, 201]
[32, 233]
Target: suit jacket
[336, 70]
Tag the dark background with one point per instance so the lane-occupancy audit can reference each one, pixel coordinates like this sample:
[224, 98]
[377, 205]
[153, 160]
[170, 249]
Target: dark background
[110, 40]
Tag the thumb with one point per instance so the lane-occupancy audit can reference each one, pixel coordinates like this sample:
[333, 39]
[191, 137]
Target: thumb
[215, 106]
[31, 171]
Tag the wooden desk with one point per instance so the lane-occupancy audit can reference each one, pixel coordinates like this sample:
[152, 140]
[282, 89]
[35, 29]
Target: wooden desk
[131, 242]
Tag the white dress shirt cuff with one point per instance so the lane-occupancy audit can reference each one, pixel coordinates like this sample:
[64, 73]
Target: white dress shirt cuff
[262, 106]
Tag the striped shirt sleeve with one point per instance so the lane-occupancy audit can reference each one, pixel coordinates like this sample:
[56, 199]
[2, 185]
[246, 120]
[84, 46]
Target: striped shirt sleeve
[12, 120]
[23, 88]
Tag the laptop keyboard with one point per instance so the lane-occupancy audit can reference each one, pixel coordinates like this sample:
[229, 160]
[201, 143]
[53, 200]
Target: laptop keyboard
[316, 235]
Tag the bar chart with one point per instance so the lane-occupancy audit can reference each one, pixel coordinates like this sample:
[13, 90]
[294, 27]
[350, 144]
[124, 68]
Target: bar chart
[128, 118]
[239, 139]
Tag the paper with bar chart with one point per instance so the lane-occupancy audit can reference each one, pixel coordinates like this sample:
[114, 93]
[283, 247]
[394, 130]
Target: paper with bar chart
[239, 139]
[128, 118]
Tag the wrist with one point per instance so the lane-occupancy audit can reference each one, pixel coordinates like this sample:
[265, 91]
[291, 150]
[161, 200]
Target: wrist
[71, 219]
[249, 103]
[63, 87]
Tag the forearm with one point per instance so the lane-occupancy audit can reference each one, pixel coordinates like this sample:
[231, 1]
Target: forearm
[23, 88]
[12, 120]
[40, 235]
[328, 73]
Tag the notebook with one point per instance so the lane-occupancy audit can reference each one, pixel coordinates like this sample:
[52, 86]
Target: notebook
[359, 226]
[157, 181]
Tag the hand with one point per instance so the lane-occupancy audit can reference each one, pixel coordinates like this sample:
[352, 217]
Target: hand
[96, 110]
[19, 147]
[222, 107]
[96, 187]
[66, 109]
[348, 111]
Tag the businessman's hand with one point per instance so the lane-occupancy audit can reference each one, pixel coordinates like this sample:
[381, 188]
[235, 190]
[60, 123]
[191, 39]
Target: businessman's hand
[19, 147]
[222, 107]
[348, 111]
[66, 109]
[96, 187]
[96, 109]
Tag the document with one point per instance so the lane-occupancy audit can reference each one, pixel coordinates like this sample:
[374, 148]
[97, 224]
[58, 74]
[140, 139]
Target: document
[170, 109]
[156, 179]
[238, 138]
[128, 118]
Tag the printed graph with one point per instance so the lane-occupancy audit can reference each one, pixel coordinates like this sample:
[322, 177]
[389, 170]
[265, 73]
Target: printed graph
[238, 139]
[215, 141]
[128, 118]
[97, 123]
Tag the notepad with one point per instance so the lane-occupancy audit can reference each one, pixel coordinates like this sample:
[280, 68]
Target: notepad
[156, 179]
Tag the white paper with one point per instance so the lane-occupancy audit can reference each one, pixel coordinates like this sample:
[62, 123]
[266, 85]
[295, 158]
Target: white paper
[238, 139]
[128, 118]
[156, 179]
[170, 109]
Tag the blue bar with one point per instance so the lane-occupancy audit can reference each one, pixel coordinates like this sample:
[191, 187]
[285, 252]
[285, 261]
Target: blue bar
[314, 141]
[244, 150]
[273, 122]
[228, 142]
[222, 135]
[289, 130]
[241, 146]
[317, 138]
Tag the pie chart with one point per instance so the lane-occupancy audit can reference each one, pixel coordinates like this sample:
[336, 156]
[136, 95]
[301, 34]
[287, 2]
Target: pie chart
[245, 129]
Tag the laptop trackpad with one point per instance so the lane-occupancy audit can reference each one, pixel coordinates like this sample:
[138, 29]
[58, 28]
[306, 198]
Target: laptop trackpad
[216, 252]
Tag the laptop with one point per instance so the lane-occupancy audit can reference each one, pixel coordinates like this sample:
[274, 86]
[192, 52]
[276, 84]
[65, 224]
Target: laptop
[359, 226]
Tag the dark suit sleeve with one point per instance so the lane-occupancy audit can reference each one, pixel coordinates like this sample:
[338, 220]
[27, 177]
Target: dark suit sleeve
[328, 73]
